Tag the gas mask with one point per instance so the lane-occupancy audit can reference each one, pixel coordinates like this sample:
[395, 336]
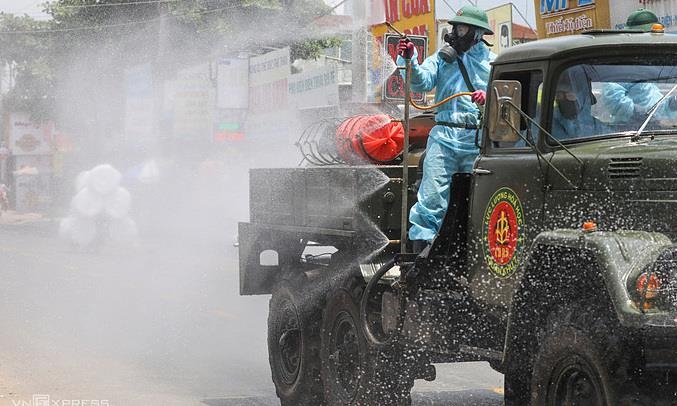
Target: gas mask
[461, 38]
[447, 53]
[568, 108]
[567, 102]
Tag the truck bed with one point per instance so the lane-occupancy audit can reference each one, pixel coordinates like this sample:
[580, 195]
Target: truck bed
[328, 198]
[355, 208]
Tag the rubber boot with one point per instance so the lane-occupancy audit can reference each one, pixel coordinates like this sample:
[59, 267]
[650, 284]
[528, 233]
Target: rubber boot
[418, 245]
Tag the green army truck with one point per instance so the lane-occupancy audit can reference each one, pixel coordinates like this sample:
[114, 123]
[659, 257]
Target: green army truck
[555, 262]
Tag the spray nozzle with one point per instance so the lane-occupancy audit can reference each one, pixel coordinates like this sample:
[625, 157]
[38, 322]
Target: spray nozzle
[400, 33]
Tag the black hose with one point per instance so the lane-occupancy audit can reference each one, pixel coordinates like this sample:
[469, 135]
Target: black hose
[371, 337]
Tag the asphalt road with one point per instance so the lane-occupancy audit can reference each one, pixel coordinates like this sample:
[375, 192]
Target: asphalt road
[160, 323]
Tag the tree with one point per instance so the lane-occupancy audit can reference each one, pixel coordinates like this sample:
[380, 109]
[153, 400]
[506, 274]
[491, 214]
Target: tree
[196, 27]
[26, 52]
[62, 63]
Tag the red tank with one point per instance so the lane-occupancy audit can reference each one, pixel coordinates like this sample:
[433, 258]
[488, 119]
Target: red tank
[378, 138]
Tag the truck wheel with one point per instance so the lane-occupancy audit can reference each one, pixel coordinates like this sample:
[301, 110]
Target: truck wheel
[293, 347]
[579, 361]
[352, 373]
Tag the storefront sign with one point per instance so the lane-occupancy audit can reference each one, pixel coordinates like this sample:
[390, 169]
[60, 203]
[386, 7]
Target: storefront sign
[567, 17]
[192, 103]
[232, 83]
[500, 21]
[139, 102]
[568, 25]
[28, 137]
[268, 77]
[410, 17]
[269, 94]
[314, 88]
[394, 86]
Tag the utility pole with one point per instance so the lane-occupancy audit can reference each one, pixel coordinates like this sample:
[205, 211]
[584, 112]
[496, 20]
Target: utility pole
[159, 65]
[359, 57]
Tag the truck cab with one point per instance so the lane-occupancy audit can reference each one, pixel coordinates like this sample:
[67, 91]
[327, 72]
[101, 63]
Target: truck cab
[555, 262]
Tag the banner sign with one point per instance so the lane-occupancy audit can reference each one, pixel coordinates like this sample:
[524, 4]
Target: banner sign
[394, 86]
[268, 76]
[193, 103]
[27, 137]
[232, 86]
[139, 102]
[269, 93]
[568, 17]
[411, 17]
[500, 21]
[314, 88]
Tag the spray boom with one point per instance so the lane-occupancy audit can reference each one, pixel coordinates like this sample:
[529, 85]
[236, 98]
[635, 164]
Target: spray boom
[398, 32]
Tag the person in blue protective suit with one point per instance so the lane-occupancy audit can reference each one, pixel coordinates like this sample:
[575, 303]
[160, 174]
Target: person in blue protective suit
[572, 111]
[630, 102]
[451, 144]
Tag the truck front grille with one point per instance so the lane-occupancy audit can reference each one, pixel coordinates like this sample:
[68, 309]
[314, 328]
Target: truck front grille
[624, 168]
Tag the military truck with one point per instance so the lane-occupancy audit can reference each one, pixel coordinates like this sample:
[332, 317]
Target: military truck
[555, 262]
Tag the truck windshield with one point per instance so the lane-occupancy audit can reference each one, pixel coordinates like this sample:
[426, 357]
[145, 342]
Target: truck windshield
[592, 100]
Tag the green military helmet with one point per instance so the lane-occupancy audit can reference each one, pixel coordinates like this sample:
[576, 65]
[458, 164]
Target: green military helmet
[641, 19]
[472, 16]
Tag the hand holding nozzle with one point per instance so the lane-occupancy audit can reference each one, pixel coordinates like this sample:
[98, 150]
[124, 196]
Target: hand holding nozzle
[405, 48]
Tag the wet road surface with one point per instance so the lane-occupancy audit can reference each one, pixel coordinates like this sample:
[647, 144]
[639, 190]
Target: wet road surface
[161, 323]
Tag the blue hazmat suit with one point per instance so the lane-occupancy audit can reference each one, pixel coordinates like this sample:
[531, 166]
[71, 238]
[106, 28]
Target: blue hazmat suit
[573, 88]
[629, 102]
[449, 149]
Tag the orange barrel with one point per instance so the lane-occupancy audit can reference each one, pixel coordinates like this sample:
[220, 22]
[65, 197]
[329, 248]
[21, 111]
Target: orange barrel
[373, 138]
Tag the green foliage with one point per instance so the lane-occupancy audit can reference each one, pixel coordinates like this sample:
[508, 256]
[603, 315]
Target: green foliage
[118, 35]
[312, 49]
[26, 58]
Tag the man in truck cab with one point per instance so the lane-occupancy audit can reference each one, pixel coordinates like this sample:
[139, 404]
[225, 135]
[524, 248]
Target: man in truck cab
[628, 103]
[462, 65]
[572, 113]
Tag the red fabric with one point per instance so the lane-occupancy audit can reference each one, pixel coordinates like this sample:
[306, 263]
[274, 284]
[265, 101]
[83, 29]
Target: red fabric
[373, 138]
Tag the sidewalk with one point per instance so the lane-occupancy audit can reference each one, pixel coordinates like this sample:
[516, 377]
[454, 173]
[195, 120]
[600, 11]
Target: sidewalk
[12, 217]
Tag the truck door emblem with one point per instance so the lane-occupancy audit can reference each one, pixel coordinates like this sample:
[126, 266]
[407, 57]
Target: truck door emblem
[503, 233]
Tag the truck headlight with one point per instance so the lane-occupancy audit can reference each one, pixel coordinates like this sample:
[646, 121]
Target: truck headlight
[648, 285]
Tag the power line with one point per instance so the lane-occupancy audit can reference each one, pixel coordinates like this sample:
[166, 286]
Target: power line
[523, 18]
[98, 27]
[118, 4]
[449, 5]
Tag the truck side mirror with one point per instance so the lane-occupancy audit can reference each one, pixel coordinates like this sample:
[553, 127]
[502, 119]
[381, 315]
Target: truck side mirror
[506, 103]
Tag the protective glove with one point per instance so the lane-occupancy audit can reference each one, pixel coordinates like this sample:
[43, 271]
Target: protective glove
[405, 48]
[479, 97]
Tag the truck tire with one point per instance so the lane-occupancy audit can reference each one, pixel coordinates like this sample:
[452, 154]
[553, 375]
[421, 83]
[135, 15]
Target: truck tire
[353, 373]
[580, 360]
[294, 346]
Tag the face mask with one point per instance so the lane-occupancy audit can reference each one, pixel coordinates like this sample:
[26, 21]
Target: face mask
[461, 43]
[568, 108]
